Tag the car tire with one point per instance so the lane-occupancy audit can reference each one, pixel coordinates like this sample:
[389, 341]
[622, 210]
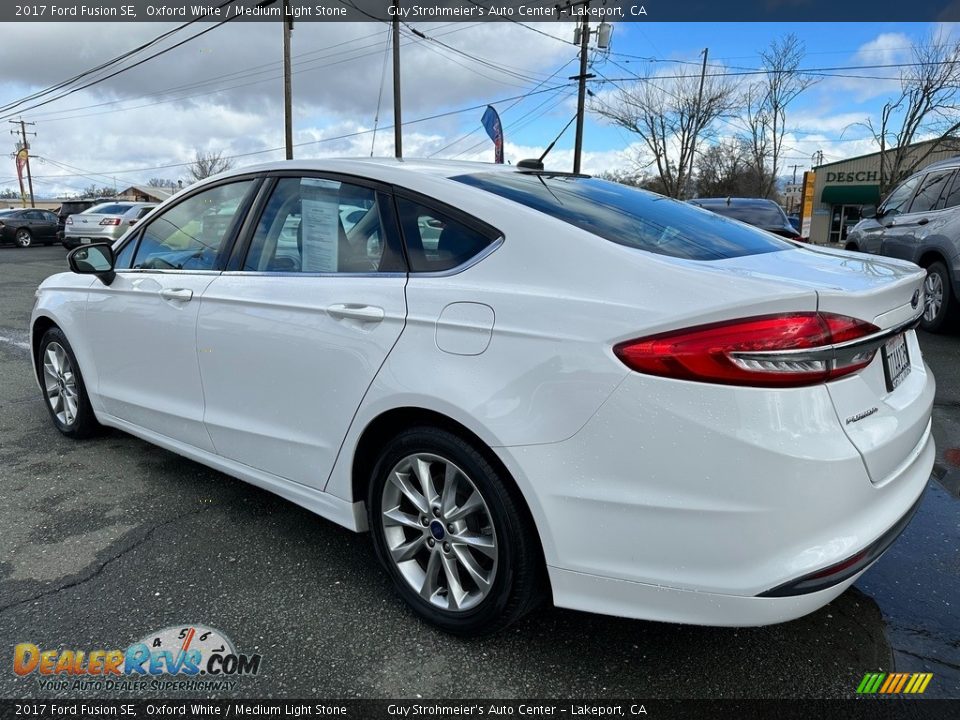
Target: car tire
[467, 558]
[939, 309]
[23, 238]
[64, 392]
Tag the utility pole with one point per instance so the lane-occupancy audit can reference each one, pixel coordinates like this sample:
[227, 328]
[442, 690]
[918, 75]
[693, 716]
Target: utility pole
[795, 173]
[287, 81]
[397, 118]
[582, 88]
[24, 145]
[696, 117]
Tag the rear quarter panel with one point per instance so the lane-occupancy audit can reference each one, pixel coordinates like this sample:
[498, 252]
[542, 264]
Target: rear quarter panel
[561, 299]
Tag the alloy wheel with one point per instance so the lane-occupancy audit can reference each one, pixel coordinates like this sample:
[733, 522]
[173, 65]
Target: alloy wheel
[439, 532]
[60, 383]
[24, 238]
[933, 296]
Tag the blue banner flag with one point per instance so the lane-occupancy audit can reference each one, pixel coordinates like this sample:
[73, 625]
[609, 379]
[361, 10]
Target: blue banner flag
[491, 122]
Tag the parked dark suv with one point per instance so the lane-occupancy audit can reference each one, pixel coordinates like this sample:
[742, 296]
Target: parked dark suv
[920, 221]
[72, 207]
[764, 214]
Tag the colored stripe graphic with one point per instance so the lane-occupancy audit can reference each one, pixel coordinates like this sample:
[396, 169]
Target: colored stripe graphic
[894, 683]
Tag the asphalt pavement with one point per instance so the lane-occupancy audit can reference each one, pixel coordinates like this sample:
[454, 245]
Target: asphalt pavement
[103, 542]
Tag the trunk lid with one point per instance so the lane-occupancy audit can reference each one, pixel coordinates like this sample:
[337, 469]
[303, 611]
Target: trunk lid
[88, 225]
[886, 424]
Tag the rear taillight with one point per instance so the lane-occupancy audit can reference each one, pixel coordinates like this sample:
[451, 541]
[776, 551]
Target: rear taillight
[68, 221]
[110, 221]
[788, 350]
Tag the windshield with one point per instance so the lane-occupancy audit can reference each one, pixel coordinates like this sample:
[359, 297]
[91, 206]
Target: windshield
[759, 214]
[628, 216]
[107, 209]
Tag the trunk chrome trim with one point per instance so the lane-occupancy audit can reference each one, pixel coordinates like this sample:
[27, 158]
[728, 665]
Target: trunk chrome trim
[837, 352]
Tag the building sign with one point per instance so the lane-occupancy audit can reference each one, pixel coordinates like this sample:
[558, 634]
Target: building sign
[806, 206]
[861, 176]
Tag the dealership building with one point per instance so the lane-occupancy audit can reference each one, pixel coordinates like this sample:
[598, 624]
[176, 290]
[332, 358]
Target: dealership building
[840, 189]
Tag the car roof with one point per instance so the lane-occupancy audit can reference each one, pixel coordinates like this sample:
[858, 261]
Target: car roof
[948, 163]
[733, 201]
[378, 165]
[406, 171]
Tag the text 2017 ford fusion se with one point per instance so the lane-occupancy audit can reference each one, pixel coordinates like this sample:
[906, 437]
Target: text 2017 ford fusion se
[526, 385]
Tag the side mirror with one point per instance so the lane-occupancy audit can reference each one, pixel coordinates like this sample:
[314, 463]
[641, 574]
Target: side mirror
[868, 211]
[93, 260]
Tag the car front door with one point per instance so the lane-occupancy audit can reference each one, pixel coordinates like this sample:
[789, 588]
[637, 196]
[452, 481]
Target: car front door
[143, 325]
[292, 337]
[40, 226]
[889, 216]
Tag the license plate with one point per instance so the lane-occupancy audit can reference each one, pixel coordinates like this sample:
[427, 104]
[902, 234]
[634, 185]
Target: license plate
[896, 361]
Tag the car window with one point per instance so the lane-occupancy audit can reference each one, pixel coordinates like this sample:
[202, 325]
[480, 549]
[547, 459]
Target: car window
[435, 241]
[124, 258]
[190, 235]
[896, 203]
[144, 211]
[928, 194]
[631, 217]
[761, 215]
[951, 198]
[316, 225]
[108, 209]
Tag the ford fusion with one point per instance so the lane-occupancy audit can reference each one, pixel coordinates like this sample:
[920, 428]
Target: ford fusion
[525, 385]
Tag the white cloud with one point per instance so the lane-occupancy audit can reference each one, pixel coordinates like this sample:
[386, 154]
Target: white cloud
[223, 91]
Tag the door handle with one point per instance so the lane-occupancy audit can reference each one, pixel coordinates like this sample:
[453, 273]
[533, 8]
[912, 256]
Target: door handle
[352, 311]
[923, 221]
[178, 294]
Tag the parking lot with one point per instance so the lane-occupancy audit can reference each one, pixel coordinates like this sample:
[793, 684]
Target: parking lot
[105, 541]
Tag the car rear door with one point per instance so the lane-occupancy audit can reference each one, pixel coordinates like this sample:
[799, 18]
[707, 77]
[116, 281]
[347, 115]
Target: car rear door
[143, 326]
[292, 335]
[923, 216]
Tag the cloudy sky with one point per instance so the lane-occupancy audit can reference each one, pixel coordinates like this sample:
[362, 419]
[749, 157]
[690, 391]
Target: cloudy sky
[223, 91]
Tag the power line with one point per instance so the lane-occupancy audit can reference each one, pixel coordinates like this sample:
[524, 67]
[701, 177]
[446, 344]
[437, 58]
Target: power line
[436, 116]
[141, 61]
[510, 107]
[104, 65]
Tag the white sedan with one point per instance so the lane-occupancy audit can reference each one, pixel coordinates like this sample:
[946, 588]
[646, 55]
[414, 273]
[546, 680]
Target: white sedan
[571, 390]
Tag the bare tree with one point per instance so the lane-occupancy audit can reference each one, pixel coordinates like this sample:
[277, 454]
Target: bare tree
[160, 183]
[726, 170]
[210, 163]
[92, 191]
[927, 108]
[765, 108]
[671, 117]
[632, 178]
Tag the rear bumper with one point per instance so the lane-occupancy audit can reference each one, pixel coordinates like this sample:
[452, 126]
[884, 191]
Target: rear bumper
[688, 502]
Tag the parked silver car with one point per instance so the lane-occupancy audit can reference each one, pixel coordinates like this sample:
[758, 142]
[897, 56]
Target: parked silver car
[104, 222]
[920, 221]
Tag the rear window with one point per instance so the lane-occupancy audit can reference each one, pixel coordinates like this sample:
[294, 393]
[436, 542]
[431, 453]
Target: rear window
[760, 215]
[630, 217]
[108, 209]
